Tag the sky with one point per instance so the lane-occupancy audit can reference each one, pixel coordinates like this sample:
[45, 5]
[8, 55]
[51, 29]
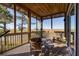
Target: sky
[58, 23]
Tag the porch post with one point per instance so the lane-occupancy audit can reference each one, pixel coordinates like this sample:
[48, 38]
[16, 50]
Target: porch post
[22, 29]
[68, 25]
[36, 24]
[51, 23]
[29, 26]
[14, 18]
[5, 31]
[68, 30]
[68, 33]
[77, 29]
[41, 27]
[65, 26]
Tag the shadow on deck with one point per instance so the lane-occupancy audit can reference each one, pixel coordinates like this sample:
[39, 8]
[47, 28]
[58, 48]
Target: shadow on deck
[57, 51]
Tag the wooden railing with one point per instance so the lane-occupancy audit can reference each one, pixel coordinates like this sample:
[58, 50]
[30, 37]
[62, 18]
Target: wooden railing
[11, 40]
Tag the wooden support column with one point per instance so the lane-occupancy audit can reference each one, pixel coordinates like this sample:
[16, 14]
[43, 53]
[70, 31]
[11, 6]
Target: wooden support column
[68, 30]
[68, 25]
[14, 24]
[36, 24]
[22, 29]
[68, 33]
[51, 23]
[77, 29]
[29, 25]
[41, 27]
[5, 31]
[65, 26]
[75, 38]
[14, 18]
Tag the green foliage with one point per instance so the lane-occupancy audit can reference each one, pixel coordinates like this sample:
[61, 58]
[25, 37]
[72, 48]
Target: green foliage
[1, 27]
[6, 13]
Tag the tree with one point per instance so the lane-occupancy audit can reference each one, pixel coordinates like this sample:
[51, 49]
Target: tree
[23, 20]
[4, 15]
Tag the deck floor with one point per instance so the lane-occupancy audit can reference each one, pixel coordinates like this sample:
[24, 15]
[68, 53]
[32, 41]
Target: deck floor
[22, 49]
[58, 50]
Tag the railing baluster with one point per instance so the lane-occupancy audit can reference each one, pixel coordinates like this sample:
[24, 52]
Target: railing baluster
[16, 40]
[13, 41]
[25, 38]
[3, 43]
[9, 42]
[22, 38]
[8, 37]
[1, 46]
[19, 40]
[6, 43]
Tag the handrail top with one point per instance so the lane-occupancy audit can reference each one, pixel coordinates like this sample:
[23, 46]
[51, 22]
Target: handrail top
[4, 33]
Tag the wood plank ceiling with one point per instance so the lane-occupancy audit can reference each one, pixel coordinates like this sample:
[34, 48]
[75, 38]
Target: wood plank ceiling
[45, 9]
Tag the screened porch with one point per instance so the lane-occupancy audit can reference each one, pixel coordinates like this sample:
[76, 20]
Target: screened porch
[37, 29]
